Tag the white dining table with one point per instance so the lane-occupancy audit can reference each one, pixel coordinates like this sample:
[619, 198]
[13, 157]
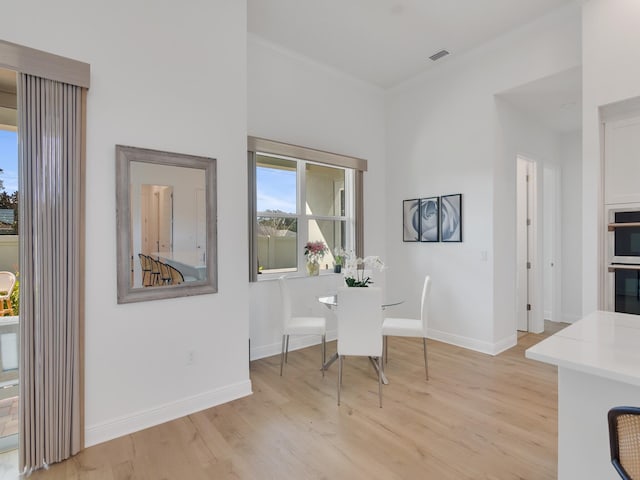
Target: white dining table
[331, 301]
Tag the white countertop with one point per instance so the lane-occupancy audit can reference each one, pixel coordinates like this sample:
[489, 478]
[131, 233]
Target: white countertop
[606, 344]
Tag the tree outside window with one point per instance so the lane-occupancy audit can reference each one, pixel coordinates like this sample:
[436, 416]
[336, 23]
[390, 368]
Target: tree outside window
[8, 183]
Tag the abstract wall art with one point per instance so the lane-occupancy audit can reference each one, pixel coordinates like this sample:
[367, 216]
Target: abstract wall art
[451, 218]
[429, 216]
[411, 220]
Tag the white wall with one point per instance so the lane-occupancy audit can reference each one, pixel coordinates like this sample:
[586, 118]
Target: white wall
[570, 158]
[442, 139]
[611, 73]
[172, 77]
[295, 100]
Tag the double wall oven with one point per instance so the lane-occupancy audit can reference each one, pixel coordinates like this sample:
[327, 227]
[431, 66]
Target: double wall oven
[623, 245]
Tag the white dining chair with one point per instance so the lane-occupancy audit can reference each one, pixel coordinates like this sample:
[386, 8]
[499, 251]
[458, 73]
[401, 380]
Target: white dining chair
[409, 327]
[7, 283]
[298, 326]
[359, 314]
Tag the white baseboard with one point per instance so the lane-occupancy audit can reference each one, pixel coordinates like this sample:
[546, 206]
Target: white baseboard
[570, 318]
[303, 341]
[296, 342]
[505, 344]
[95, 434]
[473, 343]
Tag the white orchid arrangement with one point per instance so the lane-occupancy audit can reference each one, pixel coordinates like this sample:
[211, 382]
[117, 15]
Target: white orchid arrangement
[355, 268]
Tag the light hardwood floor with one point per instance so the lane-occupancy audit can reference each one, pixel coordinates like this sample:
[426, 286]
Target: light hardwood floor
[478, 417]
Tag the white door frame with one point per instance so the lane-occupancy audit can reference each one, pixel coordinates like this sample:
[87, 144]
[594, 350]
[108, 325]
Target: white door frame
[529, 278]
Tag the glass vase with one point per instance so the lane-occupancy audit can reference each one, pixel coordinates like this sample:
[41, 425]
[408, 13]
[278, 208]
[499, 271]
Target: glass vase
[313, 269]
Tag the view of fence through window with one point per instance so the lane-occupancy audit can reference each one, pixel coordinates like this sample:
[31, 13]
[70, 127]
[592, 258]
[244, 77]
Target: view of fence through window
[283, 226]
[276, 181]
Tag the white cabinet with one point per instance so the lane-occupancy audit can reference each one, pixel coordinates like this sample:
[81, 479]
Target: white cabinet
[622, 161]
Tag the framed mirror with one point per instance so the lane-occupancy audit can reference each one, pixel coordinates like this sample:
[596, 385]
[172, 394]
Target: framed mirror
[166, 220]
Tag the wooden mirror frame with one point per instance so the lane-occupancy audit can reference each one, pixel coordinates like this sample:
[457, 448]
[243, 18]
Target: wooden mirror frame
[126, 292]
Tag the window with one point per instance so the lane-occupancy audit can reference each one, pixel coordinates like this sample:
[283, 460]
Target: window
[299, 201]
[295, 199]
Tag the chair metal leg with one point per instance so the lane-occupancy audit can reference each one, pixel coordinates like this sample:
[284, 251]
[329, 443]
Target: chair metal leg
[380, 380]
[324, 353]
[282, 355]
[426, 365]
[286, 351]
[386, 351]
[339, 377]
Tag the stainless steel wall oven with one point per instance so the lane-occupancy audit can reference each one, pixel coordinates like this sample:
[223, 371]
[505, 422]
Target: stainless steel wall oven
[623, 245]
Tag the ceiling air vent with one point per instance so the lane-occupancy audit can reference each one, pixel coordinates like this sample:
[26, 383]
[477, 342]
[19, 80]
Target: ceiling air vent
[439, 55]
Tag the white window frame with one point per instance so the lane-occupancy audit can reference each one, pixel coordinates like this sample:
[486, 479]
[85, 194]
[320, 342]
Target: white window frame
[303, 218]
[353, 167]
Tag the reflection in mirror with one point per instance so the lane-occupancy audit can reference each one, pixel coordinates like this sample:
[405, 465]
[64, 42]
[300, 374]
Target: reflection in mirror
[168, 235]
[168, 224]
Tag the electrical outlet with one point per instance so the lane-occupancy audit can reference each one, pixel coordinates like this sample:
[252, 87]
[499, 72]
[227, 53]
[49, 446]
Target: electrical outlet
[191, 357]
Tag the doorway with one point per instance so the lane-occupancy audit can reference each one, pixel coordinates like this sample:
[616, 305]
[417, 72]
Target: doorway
[157, 218]
[552, 244]
[528, 290]
[538, 237]
[541, 122]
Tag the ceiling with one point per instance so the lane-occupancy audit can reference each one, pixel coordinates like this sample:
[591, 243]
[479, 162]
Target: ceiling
[385, 42]
[555, 101]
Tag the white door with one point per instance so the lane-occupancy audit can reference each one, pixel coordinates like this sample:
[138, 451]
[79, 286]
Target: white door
[157, 218]
[165, 219]
[201, 221]
[552, 246]
[522, 245]
[528, 277]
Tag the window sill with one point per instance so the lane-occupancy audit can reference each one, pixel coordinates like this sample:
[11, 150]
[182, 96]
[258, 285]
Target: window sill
[267, 277]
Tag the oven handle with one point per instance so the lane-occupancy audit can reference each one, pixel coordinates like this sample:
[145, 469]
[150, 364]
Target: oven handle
[614, 267]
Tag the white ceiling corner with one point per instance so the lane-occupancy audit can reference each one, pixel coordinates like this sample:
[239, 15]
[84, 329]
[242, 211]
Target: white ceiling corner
[385, 42]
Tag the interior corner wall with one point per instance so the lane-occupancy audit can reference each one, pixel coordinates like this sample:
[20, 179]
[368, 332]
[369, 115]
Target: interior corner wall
[295, 100]
[570, 158]
[607, 26]
[182, 91]
[443, 139]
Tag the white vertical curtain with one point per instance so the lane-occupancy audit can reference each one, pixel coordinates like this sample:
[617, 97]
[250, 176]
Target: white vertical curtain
[50, 160]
